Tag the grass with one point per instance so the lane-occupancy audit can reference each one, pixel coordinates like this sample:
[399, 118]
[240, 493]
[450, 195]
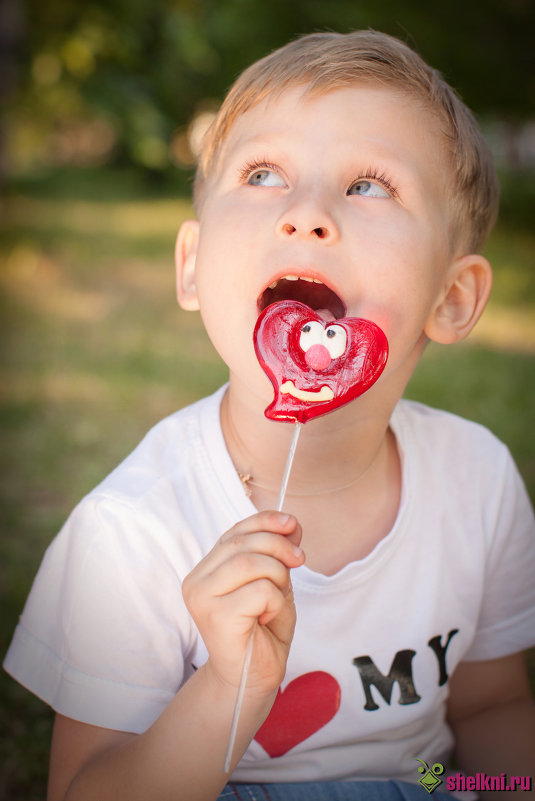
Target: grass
[95, 351]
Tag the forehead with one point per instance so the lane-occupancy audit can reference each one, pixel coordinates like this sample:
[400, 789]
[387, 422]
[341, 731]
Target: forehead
[384, 119]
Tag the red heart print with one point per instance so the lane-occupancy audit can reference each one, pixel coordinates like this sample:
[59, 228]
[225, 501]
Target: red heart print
[307, 704]
[314, 366]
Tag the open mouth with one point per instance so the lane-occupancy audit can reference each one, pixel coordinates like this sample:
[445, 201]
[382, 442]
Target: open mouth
[310, 291]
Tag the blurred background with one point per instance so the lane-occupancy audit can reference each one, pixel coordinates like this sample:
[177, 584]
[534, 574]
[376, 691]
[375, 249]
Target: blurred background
[103, 106]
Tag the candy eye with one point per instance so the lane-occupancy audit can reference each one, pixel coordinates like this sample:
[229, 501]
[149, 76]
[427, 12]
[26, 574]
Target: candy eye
[335, 340]
[311, 334]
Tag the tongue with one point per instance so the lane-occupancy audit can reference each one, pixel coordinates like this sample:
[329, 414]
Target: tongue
[325, 314]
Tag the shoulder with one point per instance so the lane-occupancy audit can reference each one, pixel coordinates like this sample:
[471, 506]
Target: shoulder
[439, 420]
[130, 541]
[178, 453]
[171, 447]
[147, 504]
[464, 466]
[441, 433]
[461, 461]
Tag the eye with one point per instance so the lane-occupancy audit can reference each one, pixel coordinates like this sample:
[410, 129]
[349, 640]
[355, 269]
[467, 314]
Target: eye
[311, 334]
[265, 177]
[335, 340]
[367, 189]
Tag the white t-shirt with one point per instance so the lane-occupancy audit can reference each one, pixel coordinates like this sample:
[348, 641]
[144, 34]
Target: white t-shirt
[105, 637]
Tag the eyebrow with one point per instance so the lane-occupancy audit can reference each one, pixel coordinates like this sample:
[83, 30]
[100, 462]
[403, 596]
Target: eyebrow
[404, 165]
[259, 141]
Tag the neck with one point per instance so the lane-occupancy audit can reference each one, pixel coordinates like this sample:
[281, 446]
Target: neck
[334, 451]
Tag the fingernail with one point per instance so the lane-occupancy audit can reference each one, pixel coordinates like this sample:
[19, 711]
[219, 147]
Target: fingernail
[284, 519]
[298, 551]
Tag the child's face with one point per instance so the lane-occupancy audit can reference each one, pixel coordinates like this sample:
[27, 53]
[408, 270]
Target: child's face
[348, 189]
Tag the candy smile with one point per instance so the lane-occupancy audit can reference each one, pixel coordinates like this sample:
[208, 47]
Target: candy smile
[305, 288]
[311, 396]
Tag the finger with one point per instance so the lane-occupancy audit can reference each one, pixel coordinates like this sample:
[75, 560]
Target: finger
[264, 542]
[213, 579]
[281, 623]
[235, 541]
[244, 568]
[279, 617]
[259, 599]
[235, 620]
[268, 520]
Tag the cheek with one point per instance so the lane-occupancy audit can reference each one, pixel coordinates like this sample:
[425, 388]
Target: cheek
[217, 267]
[225, 317]
[401, 307]
[219, 312]
[392, 322]
[229, 219]
[406, 277]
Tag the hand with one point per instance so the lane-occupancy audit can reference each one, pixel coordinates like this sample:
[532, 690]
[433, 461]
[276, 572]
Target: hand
[244, 578]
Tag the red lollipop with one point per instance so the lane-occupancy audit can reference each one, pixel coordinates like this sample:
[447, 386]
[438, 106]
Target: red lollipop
[315, 366]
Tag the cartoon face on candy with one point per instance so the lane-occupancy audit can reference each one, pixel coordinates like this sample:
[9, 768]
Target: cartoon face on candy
[315, 366]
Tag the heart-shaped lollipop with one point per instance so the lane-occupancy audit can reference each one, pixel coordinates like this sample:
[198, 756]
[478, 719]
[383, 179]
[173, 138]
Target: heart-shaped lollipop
[315, 366]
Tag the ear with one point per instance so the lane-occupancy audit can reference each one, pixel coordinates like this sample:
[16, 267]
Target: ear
[462, 300]
[185, 255]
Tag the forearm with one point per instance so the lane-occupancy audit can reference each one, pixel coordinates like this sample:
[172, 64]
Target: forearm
[181, 756]
[499, 740]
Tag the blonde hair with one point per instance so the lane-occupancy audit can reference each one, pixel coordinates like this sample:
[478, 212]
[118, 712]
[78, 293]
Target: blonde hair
[321, 62]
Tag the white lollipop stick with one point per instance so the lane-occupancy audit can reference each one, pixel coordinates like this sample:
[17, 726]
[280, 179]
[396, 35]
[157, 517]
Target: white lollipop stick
[288, 466]
[250, 642]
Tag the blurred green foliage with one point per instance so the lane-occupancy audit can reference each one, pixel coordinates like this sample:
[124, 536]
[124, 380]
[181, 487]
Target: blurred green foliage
[89, 81]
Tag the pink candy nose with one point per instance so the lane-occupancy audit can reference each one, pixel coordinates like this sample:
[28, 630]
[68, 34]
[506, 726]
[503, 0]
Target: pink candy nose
[318, 357]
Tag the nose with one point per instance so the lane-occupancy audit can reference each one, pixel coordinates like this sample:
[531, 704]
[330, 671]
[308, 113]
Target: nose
[318, 357]
[321, 232]
[308, 220]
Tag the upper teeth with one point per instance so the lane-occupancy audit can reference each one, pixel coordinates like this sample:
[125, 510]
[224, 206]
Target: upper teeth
[295, 278]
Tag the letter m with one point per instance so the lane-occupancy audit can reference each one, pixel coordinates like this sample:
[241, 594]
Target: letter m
[400, 672]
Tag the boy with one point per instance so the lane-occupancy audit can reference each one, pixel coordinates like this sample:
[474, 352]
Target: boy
[341, 171]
